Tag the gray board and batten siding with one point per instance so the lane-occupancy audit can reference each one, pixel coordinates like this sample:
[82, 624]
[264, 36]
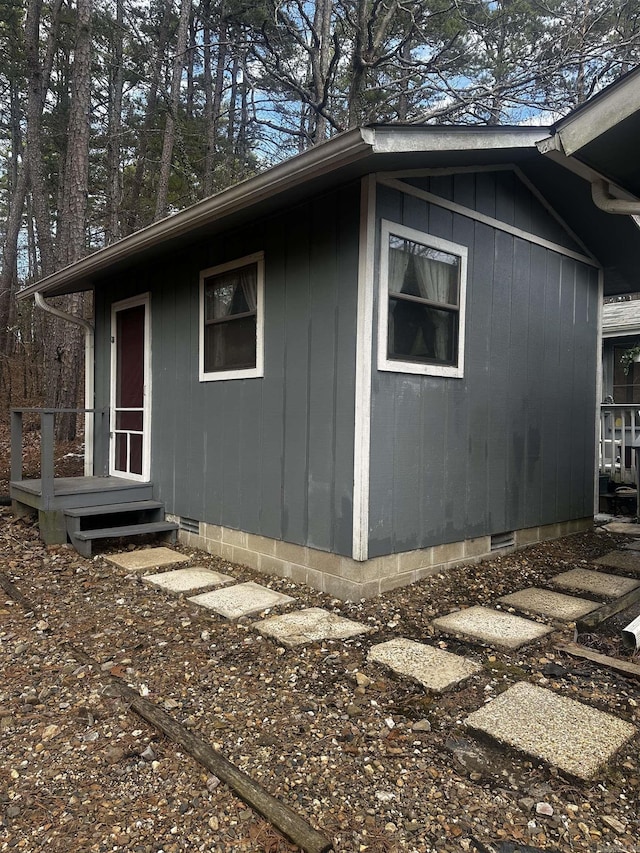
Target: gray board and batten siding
[272, 456]
[509, 445]
[506, 447]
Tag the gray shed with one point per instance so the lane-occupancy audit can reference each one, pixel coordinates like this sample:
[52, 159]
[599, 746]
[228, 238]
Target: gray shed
[370, 362]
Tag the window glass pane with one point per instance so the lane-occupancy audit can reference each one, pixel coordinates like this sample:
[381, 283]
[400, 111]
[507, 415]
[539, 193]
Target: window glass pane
[121, 452]
[130, 357]
[418, 332]
[419, 270]
[129, 420]
[135, 449]
[232, 292]
[230, 345]
[626, 389]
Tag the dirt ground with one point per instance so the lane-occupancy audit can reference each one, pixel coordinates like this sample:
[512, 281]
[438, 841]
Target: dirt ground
[372, 761]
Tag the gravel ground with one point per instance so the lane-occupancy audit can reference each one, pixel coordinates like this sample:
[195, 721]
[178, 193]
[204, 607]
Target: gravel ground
[371, 760]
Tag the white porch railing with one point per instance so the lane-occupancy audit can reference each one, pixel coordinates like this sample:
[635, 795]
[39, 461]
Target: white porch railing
[619, 429]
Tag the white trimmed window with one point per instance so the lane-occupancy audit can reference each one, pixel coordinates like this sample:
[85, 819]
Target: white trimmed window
[422, 303]
[232, 319]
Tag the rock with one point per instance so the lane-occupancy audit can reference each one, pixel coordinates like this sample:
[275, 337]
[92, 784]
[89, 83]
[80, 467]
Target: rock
[148, 754]
[385, 796]
[614, 824]
[212, 783]
[6, 723]
[114, 754]
[554, 670]
[49, 732]
[362, 680]
[544, 809]
[13, 811]
[421, 726]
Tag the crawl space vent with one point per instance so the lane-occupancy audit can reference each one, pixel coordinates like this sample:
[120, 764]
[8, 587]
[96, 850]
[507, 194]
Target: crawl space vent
[190, 525]
[502, 540]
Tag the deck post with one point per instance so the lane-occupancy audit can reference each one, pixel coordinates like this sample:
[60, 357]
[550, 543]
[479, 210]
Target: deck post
[46, 456]
[16, 445]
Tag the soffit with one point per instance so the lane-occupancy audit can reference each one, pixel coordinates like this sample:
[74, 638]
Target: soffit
[604, 133]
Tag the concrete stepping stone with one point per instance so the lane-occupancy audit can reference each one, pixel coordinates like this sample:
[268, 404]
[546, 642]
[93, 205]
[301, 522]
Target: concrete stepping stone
[434, 668]
[187, 580]
[146, 558]
[629, 561]
[554, 605]
[309, 626]
[503, 630]
[632, 546]
[597, 583]
[240, 600]
[627, 527]
[562, 732]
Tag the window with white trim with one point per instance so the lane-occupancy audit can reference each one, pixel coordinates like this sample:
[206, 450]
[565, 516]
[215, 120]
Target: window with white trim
[231, 319]
[422, 302]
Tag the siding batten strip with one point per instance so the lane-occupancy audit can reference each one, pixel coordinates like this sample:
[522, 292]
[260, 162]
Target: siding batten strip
[498, 224]
[364, 355]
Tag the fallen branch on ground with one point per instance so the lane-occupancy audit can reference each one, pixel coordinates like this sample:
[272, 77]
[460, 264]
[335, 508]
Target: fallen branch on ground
[277, 813]
[14, 593]
[594, 618]
[631, 669]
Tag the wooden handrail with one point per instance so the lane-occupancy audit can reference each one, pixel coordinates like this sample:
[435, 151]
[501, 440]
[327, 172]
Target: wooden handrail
[47, 442]
[38, 410]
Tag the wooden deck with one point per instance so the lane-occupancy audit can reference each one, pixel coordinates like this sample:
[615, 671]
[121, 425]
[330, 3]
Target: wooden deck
[72, 492]
[80, 509]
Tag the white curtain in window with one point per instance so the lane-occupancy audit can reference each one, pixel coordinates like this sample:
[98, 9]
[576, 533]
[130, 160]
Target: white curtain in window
[398, 263]
[248, 280]
[434, 281]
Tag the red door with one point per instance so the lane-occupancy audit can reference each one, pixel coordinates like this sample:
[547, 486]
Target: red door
[128, 418]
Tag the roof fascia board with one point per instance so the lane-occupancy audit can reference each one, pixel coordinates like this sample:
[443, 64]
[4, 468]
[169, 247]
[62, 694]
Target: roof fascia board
[585, 172]
[596, 117]
[340, 151]
[390, 140]
[620, 331]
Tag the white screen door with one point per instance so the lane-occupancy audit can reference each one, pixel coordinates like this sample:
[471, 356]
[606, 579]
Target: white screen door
[129, 456]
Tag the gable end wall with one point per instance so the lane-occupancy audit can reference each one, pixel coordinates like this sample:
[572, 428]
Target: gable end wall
[511, 444]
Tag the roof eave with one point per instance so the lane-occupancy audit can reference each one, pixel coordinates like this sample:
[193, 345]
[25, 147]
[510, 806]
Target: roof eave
[339, 151]
[343, 150]
[600, 114]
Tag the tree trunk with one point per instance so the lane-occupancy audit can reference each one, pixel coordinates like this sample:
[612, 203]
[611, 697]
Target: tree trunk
[71, 238]
[162, 196]
[38, 81]
[213, 89]
[116, 82]
[320, 67]
[63, 373]
[135, 217]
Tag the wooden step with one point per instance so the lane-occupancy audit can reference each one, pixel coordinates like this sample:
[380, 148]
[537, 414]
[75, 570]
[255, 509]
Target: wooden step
[82, 539]
[112, 509]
